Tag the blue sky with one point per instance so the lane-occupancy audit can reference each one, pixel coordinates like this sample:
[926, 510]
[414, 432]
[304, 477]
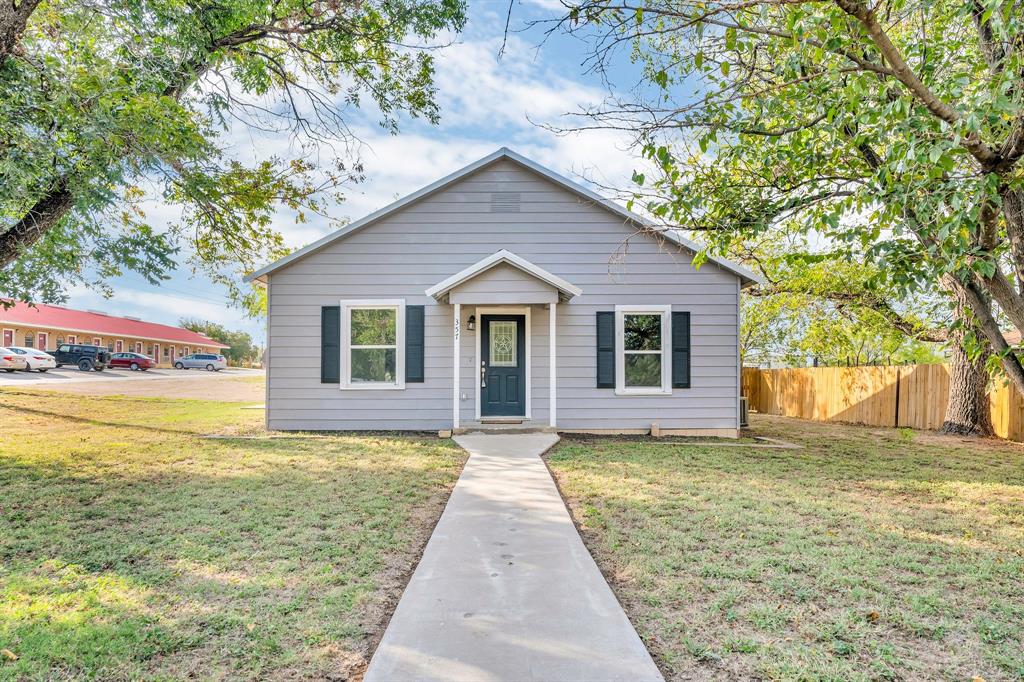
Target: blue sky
[486, 102]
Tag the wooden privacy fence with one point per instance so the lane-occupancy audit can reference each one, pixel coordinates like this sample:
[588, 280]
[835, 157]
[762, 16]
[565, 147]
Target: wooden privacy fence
[914, 396]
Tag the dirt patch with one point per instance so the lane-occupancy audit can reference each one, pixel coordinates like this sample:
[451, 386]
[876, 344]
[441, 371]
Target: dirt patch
[246, 389]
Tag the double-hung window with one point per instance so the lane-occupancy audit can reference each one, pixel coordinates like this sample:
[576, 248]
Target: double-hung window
[373, 344]
[643, 336]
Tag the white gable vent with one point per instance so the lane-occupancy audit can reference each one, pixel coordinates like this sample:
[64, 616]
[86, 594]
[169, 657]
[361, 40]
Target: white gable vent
[505, 202]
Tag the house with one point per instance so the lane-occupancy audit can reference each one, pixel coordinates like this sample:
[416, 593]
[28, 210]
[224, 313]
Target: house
[47, 326]
[503, 292]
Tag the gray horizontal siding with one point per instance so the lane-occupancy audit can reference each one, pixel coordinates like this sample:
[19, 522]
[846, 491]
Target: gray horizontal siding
[404, 254]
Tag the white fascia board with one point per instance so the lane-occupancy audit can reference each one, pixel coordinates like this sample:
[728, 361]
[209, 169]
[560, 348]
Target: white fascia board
[673, 235]
[441, 288]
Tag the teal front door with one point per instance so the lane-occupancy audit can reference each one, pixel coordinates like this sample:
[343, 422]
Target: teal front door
[503, 374]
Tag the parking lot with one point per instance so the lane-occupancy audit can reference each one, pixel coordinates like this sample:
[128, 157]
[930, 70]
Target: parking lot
[232, 384]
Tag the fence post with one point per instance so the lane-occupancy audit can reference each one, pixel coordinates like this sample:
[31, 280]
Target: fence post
[896, 421]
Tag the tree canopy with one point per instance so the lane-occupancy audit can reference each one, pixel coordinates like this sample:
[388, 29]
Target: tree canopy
[242, 348]
[105, 102]
[892, 132]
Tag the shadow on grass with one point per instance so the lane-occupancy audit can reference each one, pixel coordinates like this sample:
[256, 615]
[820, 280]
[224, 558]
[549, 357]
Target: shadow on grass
[860, 556]
[188, 557]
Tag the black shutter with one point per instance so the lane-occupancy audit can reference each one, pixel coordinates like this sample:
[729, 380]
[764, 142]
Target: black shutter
[680, 350]
[330, 344]
[605, 349]
[414, 344]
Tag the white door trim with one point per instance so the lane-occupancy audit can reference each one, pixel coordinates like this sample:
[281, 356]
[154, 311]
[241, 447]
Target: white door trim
[504, 310]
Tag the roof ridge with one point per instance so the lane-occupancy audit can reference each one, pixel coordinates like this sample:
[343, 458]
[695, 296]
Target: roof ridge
[671, 233]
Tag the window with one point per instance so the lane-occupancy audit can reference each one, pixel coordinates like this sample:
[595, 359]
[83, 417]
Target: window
[373, 344]
[641, 335]
[503, 339]
[30, 340]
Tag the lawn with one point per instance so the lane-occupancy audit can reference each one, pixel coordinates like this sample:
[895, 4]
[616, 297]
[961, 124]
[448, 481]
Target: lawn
[133, 547]
[869, 554]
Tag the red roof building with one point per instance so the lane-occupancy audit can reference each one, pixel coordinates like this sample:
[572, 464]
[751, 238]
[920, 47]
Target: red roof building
[46, 326]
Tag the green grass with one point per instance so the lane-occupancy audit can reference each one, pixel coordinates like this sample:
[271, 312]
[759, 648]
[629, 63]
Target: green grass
[867, 555]
[132, 547]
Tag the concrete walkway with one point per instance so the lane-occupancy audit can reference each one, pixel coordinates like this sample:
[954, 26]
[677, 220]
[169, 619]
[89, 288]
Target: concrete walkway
[506, 590]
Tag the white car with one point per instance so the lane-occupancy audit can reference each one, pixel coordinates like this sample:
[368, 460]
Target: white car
[11, 361]
[35, 358]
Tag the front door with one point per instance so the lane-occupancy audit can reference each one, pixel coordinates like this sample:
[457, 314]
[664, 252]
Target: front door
[503, 371]
[42, 339]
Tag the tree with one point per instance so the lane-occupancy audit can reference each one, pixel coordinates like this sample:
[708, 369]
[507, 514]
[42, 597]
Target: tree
[103, 100]
[835, 311]
[894, 130]
[242, 348]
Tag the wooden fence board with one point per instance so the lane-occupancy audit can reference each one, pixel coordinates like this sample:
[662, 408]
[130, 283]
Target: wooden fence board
[912, 396]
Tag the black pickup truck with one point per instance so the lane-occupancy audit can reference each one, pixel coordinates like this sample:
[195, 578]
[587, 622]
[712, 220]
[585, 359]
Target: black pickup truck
[86, 357]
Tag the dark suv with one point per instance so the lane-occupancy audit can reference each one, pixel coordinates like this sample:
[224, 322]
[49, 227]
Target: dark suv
[86, 357]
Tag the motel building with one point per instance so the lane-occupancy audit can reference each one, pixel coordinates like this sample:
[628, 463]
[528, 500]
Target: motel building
[47, 326]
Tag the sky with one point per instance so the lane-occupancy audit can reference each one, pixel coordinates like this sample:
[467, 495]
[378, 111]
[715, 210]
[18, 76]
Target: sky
[487, 101]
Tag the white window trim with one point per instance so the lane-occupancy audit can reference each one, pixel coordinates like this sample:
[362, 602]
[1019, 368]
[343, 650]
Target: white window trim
[347, 306]
[666, 350]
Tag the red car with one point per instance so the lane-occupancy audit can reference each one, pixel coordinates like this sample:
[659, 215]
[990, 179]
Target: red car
[132, 361]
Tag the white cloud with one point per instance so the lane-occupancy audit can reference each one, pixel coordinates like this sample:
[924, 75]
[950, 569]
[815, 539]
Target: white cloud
[486, 102]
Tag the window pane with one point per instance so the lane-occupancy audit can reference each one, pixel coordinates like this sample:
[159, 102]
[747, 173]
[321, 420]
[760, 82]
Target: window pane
[373, 364]
[643, 370]
[503, 340]
[641, 332]
[374, 327]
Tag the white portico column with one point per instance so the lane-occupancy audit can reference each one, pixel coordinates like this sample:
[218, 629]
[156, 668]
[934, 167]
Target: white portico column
[552, 345]
[456, 335]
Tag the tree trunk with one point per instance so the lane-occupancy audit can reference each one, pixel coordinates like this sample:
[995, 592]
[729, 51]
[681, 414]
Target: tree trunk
[967, 411]
[14, 16]
[41, 218]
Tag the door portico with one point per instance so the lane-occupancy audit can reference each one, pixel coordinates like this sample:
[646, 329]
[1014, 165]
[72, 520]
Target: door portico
[501, 292]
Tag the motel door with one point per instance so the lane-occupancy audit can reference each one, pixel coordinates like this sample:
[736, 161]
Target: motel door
[8, 337]
[42, 339]
[172, 355]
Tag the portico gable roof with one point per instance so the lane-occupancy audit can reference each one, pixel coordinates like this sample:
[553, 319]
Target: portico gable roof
[566, 290]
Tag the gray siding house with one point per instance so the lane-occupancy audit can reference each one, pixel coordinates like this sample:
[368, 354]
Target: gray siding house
[503, 293]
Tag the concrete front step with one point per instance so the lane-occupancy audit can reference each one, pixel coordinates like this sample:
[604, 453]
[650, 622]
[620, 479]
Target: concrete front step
[502, 428]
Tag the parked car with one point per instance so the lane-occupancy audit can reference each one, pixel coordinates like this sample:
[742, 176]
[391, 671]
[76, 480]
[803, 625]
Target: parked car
[207, 361]
[11, 361]
[35, 358]
[85, 357]
[133, 361]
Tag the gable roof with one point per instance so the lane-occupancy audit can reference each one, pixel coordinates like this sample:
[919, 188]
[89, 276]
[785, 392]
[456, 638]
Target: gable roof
[565, 289]
[746, 276]
[99, 324]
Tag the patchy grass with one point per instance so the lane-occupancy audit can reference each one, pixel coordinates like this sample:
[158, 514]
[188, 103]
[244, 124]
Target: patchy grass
[132, 547]
[870, 554]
